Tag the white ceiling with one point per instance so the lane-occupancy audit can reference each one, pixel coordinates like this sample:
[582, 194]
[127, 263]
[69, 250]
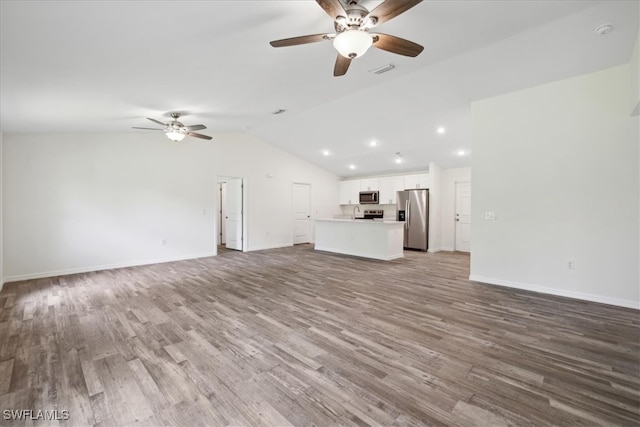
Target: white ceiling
[88, 66]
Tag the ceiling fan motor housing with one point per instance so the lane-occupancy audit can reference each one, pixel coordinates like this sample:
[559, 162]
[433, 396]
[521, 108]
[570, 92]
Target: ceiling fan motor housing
[353, 20]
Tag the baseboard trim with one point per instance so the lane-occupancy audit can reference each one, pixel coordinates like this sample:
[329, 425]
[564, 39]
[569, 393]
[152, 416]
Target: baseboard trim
[434, 250]
[558, 292]
[45, 274]
[275, 246]
[360, 254]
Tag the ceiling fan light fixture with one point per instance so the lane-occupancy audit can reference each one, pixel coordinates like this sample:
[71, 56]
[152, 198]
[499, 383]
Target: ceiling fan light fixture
[352, 43]
[176, 136]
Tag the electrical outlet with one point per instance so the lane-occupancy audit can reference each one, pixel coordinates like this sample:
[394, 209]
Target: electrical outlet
[571, 265]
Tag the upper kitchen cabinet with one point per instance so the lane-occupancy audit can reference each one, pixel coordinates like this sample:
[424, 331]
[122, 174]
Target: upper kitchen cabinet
[349, 192]
[389, 186]
[369, 184]
[420, 180]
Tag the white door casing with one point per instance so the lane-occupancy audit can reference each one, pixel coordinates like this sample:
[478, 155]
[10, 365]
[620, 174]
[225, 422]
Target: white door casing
[301, 213]
[233, 215]
[222, 199]
[463, 217]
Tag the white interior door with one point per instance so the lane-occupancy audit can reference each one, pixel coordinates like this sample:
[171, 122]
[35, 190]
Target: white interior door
[301, 213]
[463, 216]
[234, 214]
[222, 200]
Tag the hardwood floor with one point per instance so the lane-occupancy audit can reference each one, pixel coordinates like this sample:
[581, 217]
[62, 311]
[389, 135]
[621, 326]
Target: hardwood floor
[297, 337]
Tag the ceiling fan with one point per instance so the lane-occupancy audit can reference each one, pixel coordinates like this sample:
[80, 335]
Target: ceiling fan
[175, 130]
[352, 23]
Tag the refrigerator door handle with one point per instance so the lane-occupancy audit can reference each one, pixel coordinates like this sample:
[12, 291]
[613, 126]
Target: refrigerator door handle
[408, 209]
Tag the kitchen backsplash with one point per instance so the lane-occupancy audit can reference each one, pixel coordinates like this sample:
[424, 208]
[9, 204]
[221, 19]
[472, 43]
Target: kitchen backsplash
[389, 210]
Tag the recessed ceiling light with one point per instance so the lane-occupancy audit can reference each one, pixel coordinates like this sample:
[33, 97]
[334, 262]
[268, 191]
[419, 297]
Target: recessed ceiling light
[373, 143]
[461, 152]
[352, 166]
[398, 160]
[325, 152]
[441, 130]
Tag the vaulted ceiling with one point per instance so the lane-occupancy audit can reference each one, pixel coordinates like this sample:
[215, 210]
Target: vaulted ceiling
[87, 66]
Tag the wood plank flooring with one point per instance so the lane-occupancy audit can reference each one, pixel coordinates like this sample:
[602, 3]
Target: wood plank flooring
[295, 337]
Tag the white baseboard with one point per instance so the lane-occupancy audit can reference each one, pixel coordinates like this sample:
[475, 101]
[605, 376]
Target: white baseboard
[434, 250]
[446, 248]
[559, 292]
[44, 274]
[360, 254]
[270, 246]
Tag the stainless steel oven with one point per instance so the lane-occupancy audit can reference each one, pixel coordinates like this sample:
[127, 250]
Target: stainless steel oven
[369, 197]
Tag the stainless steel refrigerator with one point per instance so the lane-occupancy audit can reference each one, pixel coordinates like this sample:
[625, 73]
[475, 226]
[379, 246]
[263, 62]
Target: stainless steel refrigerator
[413, 209]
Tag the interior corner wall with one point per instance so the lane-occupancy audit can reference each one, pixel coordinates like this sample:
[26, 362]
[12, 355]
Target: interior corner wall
[85, 202]
[449, 179]
[558, 164]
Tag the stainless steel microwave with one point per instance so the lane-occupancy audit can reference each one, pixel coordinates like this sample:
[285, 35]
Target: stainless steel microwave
[369, 197]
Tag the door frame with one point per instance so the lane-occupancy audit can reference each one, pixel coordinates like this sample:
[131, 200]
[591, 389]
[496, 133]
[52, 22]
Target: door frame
[245, 210]
[221, 210]
[293, 218]
[455, 210]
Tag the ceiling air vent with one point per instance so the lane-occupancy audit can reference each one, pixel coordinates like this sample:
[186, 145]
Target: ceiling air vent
[383, 69]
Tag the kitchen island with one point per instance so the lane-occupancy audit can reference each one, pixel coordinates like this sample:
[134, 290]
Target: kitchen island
[377, 239]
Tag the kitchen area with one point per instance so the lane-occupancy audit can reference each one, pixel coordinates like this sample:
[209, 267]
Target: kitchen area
[381, 217]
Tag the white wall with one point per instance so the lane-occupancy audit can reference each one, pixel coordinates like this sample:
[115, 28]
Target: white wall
[435, 207]
[269, 174]
[81, 202]
[448, 186]
[558, 163]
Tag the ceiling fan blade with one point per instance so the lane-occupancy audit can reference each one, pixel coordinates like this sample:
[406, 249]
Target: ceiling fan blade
[333, 8]
[157, 121]
[387, 10]
[396, 45]
[342, 65]
[293, 41]
[198, 135]
[136, 127]
[195, 127]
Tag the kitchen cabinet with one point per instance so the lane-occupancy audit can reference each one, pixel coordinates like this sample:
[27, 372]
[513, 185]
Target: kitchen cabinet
[389, 186]
[369, 184]
[349, 192]
[386, 185]
[420, 180]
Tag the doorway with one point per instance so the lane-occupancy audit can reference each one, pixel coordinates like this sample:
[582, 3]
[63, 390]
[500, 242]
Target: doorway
[463, 217]
[301, 213]
[231, 213]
